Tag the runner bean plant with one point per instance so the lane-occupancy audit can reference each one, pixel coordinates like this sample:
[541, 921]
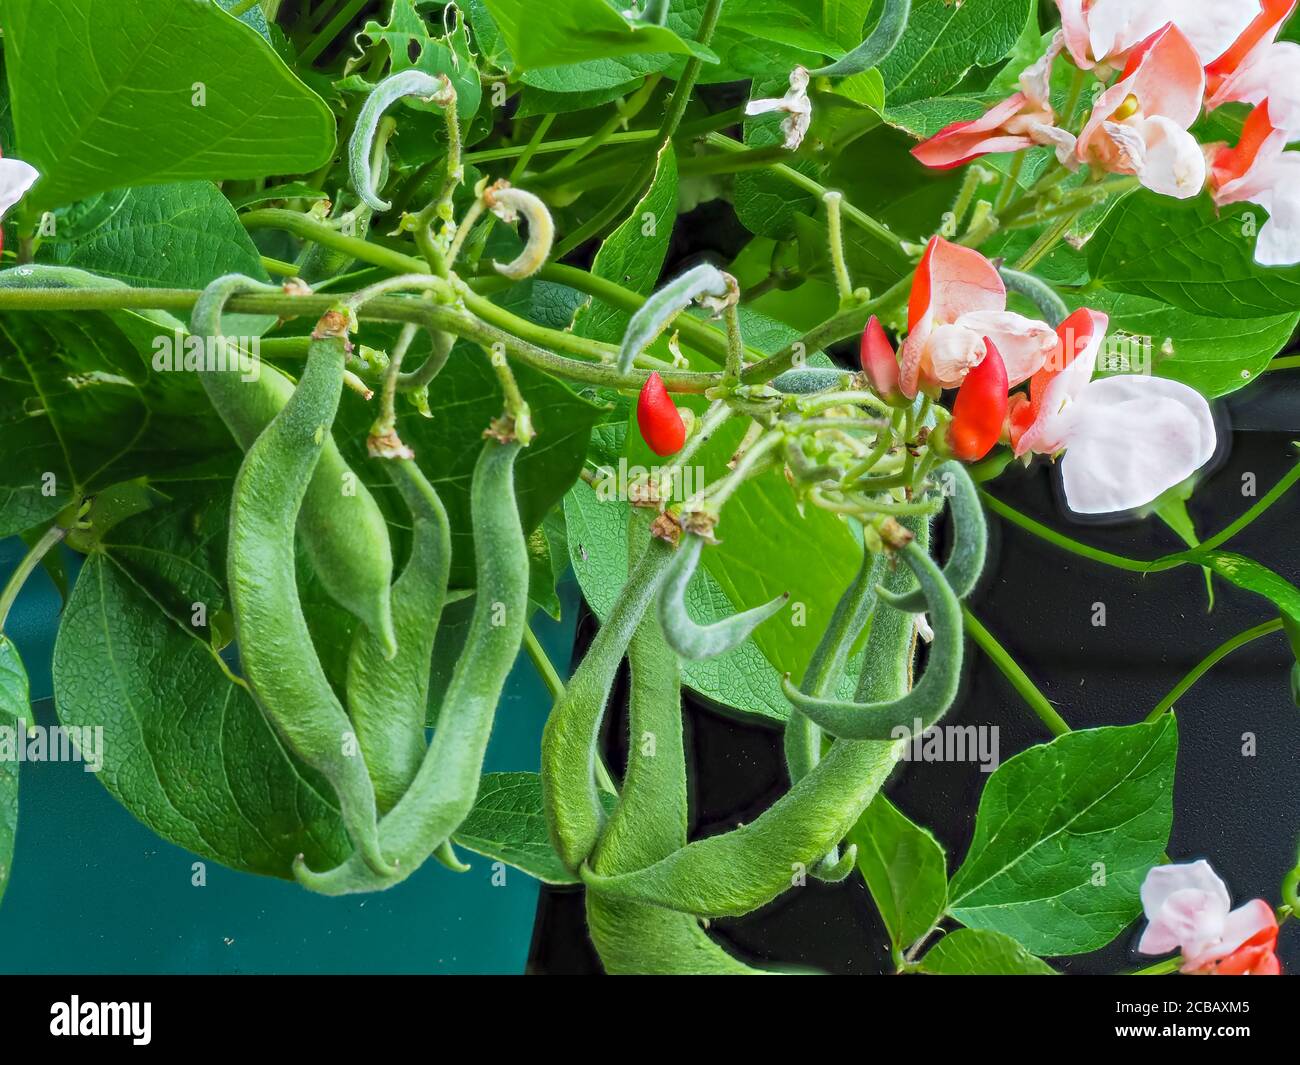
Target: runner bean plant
[336, 334]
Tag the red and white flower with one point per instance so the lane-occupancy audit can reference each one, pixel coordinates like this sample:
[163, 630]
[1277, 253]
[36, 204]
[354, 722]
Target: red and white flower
[1126, 439]
[1104, 32]
[1189, 909]
[1021, 121]
[958, 303]
[1257, 67]
[1259, 170]
[1140, 124]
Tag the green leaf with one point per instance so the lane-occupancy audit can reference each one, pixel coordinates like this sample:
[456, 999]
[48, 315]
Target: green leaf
[578, 31]
[633, 255]
[768, 204]
[1252, 576]
[1191, 255]
[944, 40]
[905, 871]
[104, 96]
[188, 751]
[1064, 836]
[974, 952]
[14, 708]
[1213, 354]
[508, 823]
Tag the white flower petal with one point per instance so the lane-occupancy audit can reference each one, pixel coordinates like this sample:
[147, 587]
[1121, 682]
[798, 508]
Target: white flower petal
[1173, 164]
[1023, 343]
[16, 177]
[1186, 905]
[1278, 243]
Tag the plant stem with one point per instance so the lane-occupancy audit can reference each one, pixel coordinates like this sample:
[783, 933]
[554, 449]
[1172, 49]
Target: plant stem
[1047, 240]
[835, 230]
[1007, 666]
[243, 7]
[1160, 968]
[53, 535]
[1044, 532]
[1210, 661]
[1011, 185]
[1285, 362]
[337, 25]
[547, 671]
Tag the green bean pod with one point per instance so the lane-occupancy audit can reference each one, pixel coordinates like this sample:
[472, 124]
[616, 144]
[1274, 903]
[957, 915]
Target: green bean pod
[341, 526]
[809, 380]
[444, 789]
[571, 737]
[275, 647]
[650, 823]
[876, 48]
[933, 694]
[970, 543]
[387, 92]
[387, 699]
[1039, 293]
[655, 315]
[693, 641]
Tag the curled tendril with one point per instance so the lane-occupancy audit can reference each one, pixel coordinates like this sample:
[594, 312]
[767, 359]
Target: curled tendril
[407, 83]
[705, 283]
[693, 641]
[933, 694]
[872, 52]
[970, 542]
[508, 203]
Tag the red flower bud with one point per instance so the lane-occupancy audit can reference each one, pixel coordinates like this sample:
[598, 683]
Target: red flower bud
[980, 409]
[658, 417]
[879, 362]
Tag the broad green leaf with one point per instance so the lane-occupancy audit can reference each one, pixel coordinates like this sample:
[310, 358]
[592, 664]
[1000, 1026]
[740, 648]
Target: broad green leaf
[181, 235]
[975, 952]
[508, 823]
[14, 708]
[1064, 836]
[1252, 576]
[905, 871]
[578, 31]
[769, 38]
[548, 559]
[633, 255]
[1213, 354]
[187, 751]
[944, 40]
[843, 20]
[1191, 255]
[112, 93]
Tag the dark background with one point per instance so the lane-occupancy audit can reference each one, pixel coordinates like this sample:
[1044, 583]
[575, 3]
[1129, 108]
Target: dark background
[1240, 813]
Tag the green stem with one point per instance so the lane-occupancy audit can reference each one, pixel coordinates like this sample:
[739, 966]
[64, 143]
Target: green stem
[835, 230]
[623, 114]
[1107, 558]
[1286, 362]
[1008, 667]
[1011, 186]
[550, 676]
[732, 162]
[336, 26]
[1048, 240]
[1160, 968]
[53, 535]
[1210, 661]
[243, 7]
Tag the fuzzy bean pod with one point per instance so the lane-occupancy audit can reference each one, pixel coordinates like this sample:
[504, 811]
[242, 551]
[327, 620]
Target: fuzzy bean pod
[970, 543]
[570, 740]
[444, 789]
[809, 380]
[387, 699]
[275, 647]
[656, 314]
[385, 94]
[693, 641]
[933, 694]
[340, 524]
[874, 50]
[1038, 292]
[648, 824]
[508, 203]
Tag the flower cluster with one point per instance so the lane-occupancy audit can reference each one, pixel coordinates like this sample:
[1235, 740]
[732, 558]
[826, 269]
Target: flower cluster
[1189, 910]
[1126, 439]
[1158, 64]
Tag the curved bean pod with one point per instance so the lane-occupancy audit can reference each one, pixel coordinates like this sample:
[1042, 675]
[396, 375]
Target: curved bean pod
[275, 646]
[387, 699]
[344, 532]
[649, 823]
[694, 641]
[809, 380]
[700, 282]
[386, 93]
[570, 739]
[933, 694]
[970, 543]
[1038, 292]
[444, 789]
[507, 203]
[873, 51]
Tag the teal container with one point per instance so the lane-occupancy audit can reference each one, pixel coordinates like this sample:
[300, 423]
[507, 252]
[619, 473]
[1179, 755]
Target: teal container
[94, 891]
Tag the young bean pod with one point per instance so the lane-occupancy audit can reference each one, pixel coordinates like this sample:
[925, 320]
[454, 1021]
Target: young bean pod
[275, 646]
[696, 642]
[876, 48]
[570, 740]
[648, 824]
[933, 694]
[809, 381]
[387, 92]
[703, 282]
[1039, 293]
[970, 542]
[444, 789]
[387, 699]
[508, 204]
[341, 526]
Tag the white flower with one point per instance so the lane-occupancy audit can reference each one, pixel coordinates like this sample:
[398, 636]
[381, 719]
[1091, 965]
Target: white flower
[16, 177]
[794, 103]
